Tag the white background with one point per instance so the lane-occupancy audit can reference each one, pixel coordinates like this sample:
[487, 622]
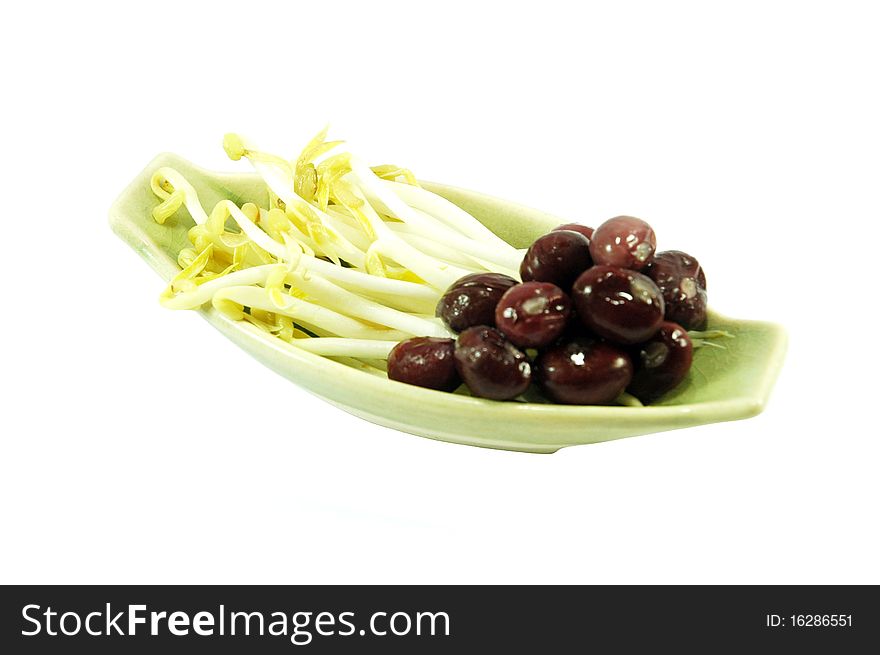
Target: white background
[140, 447]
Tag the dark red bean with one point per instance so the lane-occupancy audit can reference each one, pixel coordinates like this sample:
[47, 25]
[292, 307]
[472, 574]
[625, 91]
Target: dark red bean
[576, 329]
[623, 241]
[661, 363]
[583, 372]
[425, 362]
[576, 227]
[490, 365]
[533, 314]
[621, 305]
[557, 257]
[683, 284]
[472, 300]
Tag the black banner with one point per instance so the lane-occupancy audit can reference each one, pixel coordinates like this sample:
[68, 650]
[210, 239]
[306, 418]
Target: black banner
[541, 619]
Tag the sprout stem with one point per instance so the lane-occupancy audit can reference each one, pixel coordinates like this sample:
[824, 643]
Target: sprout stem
[445, 211]
[167, 183]
[702, 339]
[335, 297]
[226, 300]
[628, 400]
[366, 348]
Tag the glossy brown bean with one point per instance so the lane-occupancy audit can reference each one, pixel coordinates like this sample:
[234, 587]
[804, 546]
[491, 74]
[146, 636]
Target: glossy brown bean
[576, 227]
[472, 300]
[583, 371]
[661, 363]
[557, 257]
[533, 314]
[490, 365]
[618, 304]
[425, 362]
[682, 282]
[624, 241]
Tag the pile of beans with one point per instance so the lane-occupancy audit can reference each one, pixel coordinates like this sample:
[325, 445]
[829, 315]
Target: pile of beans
[598, 312]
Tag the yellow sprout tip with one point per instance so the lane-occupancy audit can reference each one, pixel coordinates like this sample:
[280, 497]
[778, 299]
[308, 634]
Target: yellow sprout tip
[234, 146]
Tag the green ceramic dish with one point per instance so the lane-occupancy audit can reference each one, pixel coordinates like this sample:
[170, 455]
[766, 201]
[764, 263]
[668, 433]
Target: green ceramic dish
[723, 385]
